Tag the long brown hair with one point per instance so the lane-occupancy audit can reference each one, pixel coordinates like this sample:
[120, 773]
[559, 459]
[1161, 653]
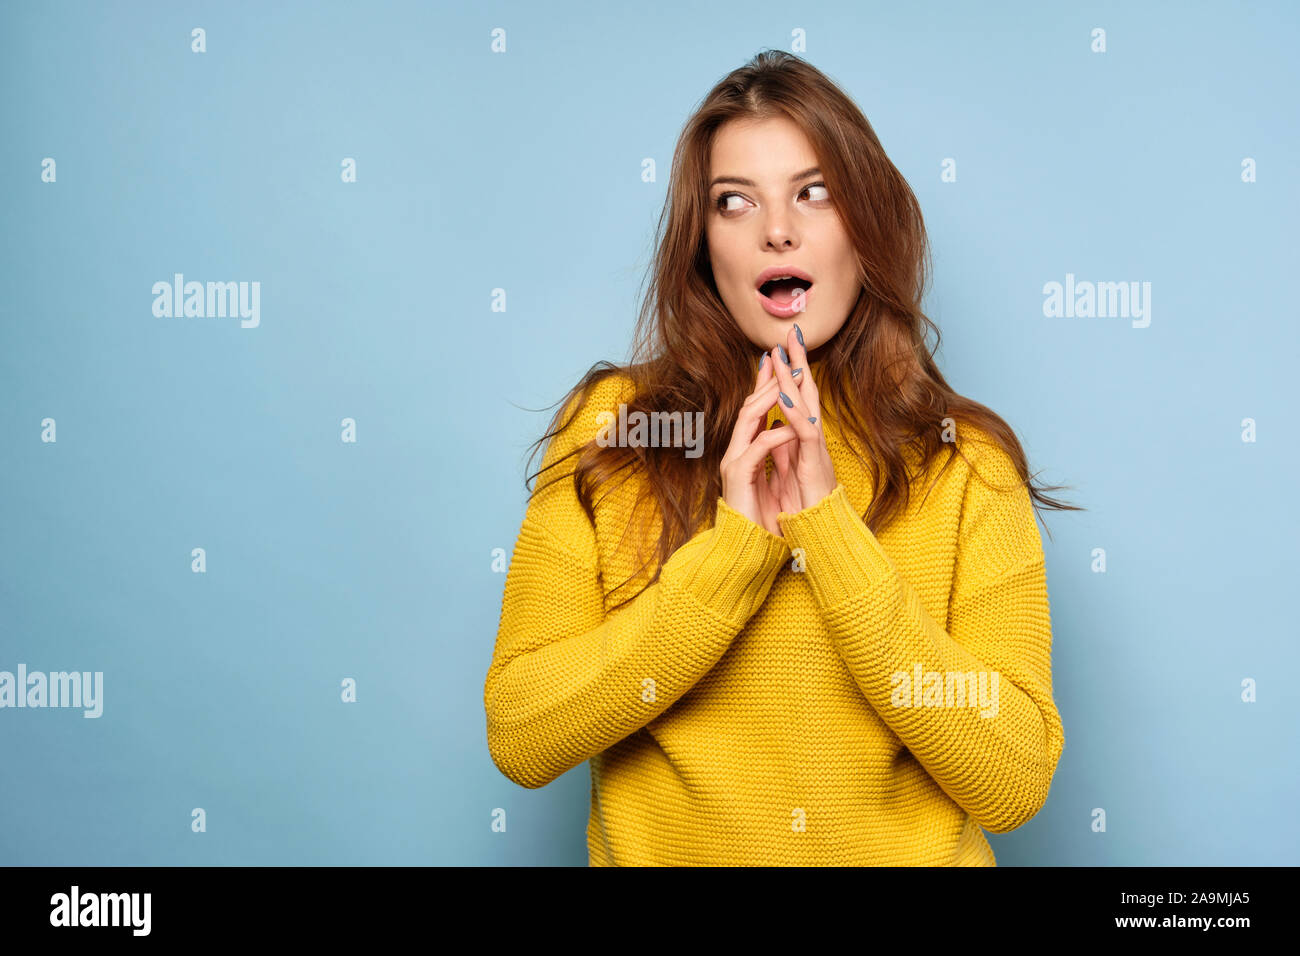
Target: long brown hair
[878, 381]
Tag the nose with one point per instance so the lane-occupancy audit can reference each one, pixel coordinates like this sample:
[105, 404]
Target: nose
[779, 229]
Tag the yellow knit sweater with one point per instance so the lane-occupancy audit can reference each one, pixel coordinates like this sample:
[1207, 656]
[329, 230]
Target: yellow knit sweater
[829, 697]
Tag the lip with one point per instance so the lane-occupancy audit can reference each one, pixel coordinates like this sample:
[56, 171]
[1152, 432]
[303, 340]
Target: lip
[771, 272]
[784, 311]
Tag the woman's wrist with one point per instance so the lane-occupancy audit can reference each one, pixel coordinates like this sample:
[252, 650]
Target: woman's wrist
[733, 564]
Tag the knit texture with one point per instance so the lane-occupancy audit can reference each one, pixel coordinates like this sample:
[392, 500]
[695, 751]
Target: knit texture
[828, 697]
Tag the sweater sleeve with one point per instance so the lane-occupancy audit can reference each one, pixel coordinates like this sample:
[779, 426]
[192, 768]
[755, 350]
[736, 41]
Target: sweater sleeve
[995, 758]
[567, 680]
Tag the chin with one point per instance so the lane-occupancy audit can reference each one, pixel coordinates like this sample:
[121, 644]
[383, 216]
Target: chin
[777, 330]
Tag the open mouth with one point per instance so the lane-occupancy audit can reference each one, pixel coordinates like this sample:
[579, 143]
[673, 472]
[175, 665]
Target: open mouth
[783, 291]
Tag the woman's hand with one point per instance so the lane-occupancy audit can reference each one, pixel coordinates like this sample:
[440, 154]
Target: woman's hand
[746, 488]
[804, 469]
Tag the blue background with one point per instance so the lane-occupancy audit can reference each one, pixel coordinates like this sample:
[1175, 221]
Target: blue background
[521, 171]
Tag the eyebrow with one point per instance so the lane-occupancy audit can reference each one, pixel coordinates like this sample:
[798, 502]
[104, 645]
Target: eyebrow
[740, 181]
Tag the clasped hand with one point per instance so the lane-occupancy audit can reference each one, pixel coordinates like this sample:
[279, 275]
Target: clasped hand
[802, 474]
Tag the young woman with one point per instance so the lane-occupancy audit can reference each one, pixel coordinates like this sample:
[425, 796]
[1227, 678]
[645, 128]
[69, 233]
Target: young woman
[820, 634]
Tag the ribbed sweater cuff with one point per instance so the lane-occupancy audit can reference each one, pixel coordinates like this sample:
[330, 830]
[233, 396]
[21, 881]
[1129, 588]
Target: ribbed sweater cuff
[735, 567]
[842, 557]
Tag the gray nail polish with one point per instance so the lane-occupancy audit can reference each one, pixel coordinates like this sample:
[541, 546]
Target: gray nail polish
[785, 356]
[813, 420]
[761, 361]
[795, 372]
[798, 334]
[786, 398]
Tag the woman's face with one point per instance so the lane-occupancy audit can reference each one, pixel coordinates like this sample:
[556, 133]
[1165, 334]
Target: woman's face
[769, 211]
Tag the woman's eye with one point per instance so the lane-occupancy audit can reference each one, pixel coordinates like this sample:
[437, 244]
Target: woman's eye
[722, 202]
[822, 187]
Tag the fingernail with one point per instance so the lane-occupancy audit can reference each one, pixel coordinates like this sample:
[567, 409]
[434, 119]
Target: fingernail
[785, 357]
[795, 372]
[813, 420]
[798, 334]
[786, 398]
[761, 361]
